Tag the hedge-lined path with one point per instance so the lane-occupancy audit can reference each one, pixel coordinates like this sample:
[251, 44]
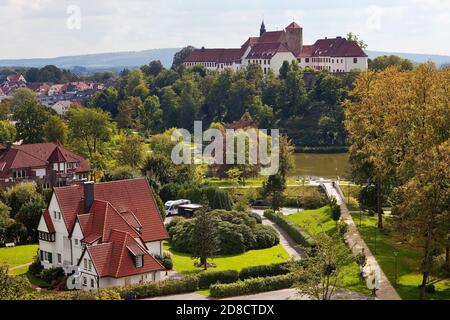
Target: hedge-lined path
[182, 297]
[285, 240]
[357, 243]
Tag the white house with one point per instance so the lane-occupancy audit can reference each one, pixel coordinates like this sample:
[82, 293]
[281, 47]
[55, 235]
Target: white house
[62, 107]
[272, 48]
[109, 232]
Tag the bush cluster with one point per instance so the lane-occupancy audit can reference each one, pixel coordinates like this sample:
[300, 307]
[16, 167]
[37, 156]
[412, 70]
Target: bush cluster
[238, 232]
[294, 231]
[251, 286]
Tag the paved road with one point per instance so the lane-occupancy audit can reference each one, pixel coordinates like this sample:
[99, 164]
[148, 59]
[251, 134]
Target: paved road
[285, 240]
[287, 294]
[357, 243]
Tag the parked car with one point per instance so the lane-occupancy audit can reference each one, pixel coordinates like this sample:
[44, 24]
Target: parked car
[172, 206]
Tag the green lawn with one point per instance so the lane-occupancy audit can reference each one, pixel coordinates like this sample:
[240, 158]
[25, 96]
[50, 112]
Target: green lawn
[316, 221]
[185, 264]
[409, 260]
[17, 256]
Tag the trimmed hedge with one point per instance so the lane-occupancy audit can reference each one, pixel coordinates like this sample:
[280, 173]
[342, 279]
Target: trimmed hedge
[206, 279]
[159, 289]
[294, 231]
[251, 286]
[264, 271]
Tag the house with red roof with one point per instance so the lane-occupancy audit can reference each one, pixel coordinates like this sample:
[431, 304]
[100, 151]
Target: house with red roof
[272, 48]
[106, 234]
[47, 164]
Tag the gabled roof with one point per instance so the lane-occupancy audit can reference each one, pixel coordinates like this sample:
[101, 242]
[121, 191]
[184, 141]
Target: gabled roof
[103, 218]
[266, 50]
[117, 257]
[215, 55]
[334, 47]
[37, 156]
[48, 221]
[272, 36]
[293, 25]
[123, 196]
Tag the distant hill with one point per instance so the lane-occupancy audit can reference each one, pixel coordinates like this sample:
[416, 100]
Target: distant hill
[120, 60]
[100, 61]
[439, 60]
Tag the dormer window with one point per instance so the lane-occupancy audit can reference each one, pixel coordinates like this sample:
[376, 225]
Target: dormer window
[139, 261]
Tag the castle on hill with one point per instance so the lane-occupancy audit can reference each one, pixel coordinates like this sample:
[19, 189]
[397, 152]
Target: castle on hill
[272, 48]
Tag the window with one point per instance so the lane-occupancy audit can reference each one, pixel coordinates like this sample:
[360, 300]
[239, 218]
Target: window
[85, 264]
[307, 60]
[59, 258]
[59, 215]
[90, 265]
[84, 281]
[139, 261]
[55, 214]
[41, 255]
[76, 241]
[49, 257]
[92, 283]
[355, 60]
[20, 174]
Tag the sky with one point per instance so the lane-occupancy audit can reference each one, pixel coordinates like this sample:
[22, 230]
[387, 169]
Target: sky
[51, 28]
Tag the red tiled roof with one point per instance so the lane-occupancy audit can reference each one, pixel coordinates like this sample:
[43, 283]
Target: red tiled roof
[103, 218]
[266, 50]
[215, 55]
[117, 257]
[128, 195]
[293, 25]
[48, 221]
[272, 36]
[37, 156]
[335, 47]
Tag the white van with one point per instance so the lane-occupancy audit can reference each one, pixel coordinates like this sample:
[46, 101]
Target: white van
[172, 206]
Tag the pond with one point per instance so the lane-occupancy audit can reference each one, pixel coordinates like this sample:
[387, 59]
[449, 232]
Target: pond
[321, 165]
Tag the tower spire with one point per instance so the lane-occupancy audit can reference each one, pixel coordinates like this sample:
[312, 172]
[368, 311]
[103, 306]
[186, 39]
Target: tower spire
[263, 28]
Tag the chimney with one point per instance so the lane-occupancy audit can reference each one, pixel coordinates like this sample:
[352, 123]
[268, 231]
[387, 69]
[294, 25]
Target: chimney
[88, 187]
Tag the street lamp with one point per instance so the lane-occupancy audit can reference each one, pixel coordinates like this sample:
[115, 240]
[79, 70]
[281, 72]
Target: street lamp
[396, 267]
[376, 231]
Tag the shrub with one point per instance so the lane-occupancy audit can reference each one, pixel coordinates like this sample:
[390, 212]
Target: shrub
[266, 237]
[313, 202]
[12, 287]
[264, 271]
[36, 267]
[52, 275]
[221, 200]
[251, 286]
[166, 260]
[257, 217]
[206, 279]
[157, 289]
[231, 240]
[294, 231]
[291, 202]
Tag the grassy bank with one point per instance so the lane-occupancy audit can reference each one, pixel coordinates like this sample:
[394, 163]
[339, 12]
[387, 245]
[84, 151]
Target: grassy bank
[315, 221]
[408, 260]
[185, 264]
[18, 256]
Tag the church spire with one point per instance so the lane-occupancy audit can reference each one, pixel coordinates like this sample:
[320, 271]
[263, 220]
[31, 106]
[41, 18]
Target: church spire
[263, 28]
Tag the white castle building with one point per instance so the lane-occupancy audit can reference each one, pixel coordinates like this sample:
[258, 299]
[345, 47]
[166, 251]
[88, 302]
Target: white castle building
[272, 48]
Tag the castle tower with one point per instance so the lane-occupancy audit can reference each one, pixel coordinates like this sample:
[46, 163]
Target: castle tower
[263, 29]
[294, 38]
